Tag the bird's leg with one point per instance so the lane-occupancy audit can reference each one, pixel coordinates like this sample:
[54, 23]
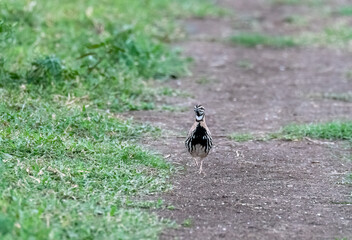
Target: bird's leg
[201, 166]
[195, 160]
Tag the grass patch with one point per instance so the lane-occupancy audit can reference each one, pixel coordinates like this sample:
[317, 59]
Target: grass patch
[350, 178]
[200, 9]
[171, 207]
[345, 11]
[171, 108]
[344, 97]
[81, 49]
[166, 91]
[299, 2]
[68, 167]
[348, 75]
[187, 223]
[337, 130]
[256, 39]
[338, 35]
[67, 173]
[241, 137]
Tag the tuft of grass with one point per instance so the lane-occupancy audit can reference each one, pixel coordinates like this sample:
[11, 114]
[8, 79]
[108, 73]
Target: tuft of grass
[171, 207]
[187, 223]
[336, 130]
[344, 97]
[241, 137]
[345, 10]
[257, 39]
[337, 35]
[171, 108]
[350, 178]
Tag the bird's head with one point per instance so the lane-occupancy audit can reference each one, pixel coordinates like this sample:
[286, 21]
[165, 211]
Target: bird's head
[200, 112]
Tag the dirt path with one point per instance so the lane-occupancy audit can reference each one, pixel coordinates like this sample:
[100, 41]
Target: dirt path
[257, 190]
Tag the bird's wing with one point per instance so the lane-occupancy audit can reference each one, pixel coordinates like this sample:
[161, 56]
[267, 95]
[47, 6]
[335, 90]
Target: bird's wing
[193, 128]
[190, 135]
[208, 135]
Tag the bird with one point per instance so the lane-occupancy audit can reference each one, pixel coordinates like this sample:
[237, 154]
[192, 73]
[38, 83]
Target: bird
[199, 141]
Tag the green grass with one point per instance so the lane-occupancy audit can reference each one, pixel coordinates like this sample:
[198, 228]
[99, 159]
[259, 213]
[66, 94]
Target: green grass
[171, 108]
[349, 178]
[337, 35]
[171, 207]
[344, 97]
[69, 168]
[336, 130]
[199, 9]
[187, 223]
[73, 48]
[241, 137]
[67, 173]
[299, 2]
[348, 75]
[345, 11]
[257, 39]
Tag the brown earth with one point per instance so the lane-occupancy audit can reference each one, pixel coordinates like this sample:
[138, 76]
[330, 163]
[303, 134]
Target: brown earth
[258, 189]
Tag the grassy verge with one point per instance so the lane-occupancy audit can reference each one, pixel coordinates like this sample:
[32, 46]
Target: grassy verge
[69, 168]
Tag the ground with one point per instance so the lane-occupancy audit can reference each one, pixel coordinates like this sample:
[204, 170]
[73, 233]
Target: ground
[271, 189]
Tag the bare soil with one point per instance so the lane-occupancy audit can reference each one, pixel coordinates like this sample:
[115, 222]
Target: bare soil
[258, 189]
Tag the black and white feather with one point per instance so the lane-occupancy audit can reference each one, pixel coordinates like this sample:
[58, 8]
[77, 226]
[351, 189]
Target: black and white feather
[199, 141]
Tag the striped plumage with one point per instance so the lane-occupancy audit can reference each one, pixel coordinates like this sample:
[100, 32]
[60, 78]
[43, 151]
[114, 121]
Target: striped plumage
[199, 141]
